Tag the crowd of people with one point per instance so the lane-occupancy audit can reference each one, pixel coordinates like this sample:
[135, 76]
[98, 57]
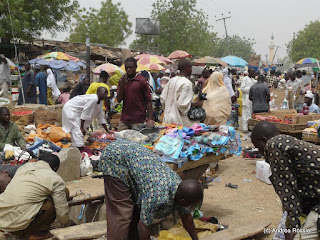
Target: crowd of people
[139, 187]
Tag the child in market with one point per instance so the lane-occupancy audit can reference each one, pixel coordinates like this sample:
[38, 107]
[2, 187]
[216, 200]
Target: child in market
[65, 96]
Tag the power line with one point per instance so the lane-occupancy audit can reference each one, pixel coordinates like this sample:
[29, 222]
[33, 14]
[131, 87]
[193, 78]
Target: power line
[208, 6]
[220, 6]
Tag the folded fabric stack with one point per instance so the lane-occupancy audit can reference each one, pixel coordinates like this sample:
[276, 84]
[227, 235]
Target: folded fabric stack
[180, 144]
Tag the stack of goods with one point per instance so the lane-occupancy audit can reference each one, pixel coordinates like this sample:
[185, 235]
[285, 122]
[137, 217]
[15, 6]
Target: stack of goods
[51, 133]
[286, 120]
[174, 143]
[99, 139]
[287, 116]
[179, 144]
[21, 116]
[311, 133]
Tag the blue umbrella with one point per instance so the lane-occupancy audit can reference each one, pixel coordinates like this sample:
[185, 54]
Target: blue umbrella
[59, 64]
[234, 61]
[39, 61]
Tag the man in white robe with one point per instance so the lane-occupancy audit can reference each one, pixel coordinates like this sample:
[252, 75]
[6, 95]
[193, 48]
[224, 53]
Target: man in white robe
[246, 84]
[78, 113]
[177, 95]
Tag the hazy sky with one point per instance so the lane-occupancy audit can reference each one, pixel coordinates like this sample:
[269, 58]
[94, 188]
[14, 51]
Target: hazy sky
[250, 18]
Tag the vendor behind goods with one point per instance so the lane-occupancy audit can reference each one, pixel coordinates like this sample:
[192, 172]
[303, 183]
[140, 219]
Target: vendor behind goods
[295, 177]
[9, 131]
[78, 113]
[139, 188]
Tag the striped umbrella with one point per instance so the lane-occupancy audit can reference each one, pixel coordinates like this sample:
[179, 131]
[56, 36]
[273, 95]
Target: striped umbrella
[307, 62]
[139, 68]
[108, 67]
[150, 59]
[59, 56]
[155, 67]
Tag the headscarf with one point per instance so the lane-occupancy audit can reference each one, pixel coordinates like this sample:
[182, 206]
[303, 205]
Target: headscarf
[51, 83]
[218, 105]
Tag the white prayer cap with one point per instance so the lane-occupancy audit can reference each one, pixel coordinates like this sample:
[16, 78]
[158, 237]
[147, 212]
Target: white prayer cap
[309, 94]
[114, 87]
[245, 73]
[167, 71]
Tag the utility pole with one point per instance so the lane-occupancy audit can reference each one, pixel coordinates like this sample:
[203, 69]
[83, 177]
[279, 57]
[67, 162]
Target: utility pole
[275, 53]
[88, 57]
[225, 27]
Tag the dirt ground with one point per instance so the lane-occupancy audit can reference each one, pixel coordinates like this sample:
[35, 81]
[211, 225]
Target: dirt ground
[250, 203]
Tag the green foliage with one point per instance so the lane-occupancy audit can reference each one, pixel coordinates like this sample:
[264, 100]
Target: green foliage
[240, 47]
[182, 27]
[31, 17]
[108, 25]
[305, 43]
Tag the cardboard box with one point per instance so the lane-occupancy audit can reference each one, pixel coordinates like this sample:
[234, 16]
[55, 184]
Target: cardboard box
[263, 171]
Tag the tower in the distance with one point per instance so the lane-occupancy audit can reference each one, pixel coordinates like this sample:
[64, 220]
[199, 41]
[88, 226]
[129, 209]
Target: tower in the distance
[271, 50]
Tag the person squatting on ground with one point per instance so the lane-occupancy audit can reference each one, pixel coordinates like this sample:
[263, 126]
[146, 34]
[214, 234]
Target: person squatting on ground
[295, 176]
[139, 188]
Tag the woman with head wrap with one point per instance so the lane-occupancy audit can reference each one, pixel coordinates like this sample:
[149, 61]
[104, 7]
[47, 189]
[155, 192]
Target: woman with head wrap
[218, 103]
[53, 91]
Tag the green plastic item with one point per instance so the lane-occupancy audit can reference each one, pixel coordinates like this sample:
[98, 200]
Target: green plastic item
[196, 213]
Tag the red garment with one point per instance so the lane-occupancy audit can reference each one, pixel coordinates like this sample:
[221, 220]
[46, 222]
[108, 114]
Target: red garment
[135, 98]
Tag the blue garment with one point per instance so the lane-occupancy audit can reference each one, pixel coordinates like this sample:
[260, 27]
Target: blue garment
[41, 82]
[28, 81]
[314, 108]
[158, 83]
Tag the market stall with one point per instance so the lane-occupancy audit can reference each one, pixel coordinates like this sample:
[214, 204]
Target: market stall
[287, 121]
[311, 132]
[187, 150]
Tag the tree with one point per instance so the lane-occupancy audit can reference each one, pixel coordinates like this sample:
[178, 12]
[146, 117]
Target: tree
[31, 17]
[240, 47]
[305, 43]
[182, 27]
[108, 25]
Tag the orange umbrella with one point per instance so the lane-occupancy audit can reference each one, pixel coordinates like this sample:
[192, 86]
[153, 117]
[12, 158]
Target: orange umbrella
[179, 54]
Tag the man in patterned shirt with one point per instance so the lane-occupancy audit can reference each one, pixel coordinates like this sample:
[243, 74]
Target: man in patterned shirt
[140, 187]
[272, 81]
[295, 168]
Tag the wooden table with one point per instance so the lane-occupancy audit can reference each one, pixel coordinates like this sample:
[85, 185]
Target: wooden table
[195, 169]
